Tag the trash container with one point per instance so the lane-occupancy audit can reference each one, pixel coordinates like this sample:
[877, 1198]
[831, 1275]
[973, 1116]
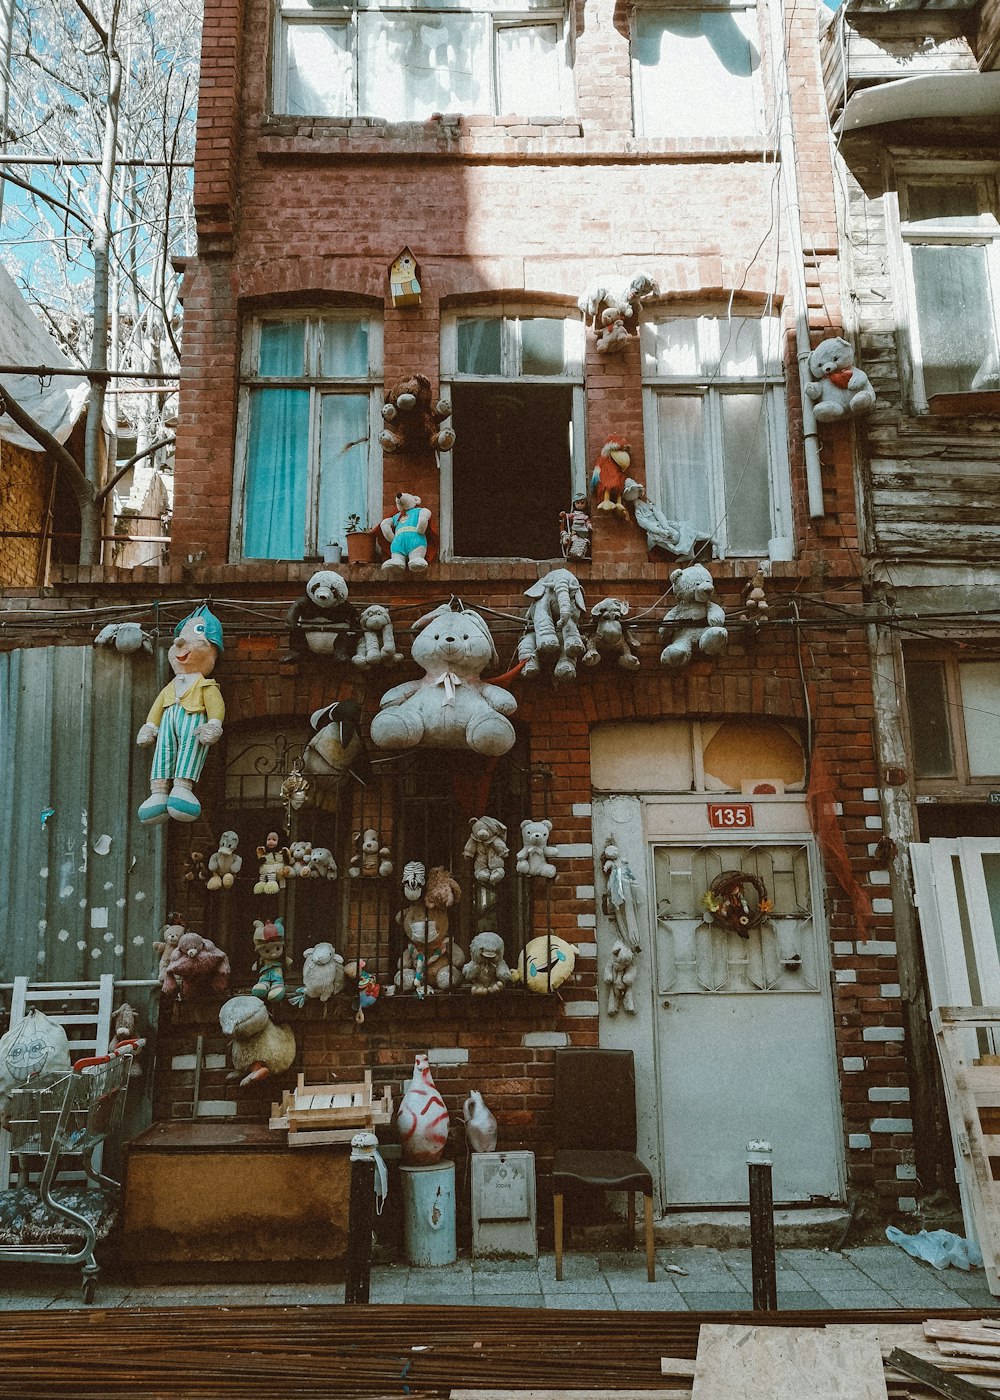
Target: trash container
[429, 1214]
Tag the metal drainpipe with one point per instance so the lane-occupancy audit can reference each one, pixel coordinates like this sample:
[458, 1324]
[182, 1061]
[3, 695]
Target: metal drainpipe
[789, 178]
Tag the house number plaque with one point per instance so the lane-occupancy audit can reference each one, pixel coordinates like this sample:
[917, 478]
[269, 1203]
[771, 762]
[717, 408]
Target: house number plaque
[730, 816]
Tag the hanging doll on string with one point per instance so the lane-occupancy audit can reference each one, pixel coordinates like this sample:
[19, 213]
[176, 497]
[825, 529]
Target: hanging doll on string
[623, 893]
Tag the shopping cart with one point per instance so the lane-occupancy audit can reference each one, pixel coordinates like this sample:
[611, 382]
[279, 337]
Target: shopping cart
[63, 1204]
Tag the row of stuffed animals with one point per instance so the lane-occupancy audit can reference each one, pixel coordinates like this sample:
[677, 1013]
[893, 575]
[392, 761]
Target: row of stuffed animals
[486, 847]
[192, 967]
[450, 707]
[326, 623]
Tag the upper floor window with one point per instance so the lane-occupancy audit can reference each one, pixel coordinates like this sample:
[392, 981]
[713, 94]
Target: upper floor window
[696, 71]
[951, 258]
[307, 457]
[954, 720]
[716, 439]
[516, 387]
[409, 62]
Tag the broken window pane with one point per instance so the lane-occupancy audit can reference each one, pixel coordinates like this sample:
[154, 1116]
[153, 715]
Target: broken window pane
[930, 732]
[529, 63]
[695, 70]
[320, 70]
[748, 497]
[542, 346]
[954, 315]
[343, 463]
[282, 349]
[979, 682]
[479, 346]
[415, 65]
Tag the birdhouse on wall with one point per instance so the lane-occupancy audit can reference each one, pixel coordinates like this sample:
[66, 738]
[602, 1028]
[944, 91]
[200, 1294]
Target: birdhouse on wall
[404, 285]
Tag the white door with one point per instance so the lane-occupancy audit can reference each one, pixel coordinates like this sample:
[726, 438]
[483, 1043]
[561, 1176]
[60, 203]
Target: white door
[743, 1028]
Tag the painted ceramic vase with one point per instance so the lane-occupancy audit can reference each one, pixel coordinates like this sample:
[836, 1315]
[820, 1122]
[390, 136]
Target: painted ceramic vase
[422, 1119]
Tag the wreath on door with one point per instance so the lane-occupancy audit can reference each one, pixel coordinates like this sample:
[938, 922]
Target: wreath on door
[738, 901]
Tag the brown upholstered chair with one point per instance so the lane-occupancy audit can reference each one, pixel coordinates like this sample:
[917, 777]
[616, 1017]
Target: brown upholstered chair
[595, 1137]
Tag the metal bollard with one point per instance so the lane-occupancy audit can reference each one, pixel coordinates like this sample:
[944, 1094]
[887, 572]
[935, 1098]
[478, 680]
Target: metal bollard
[762, 1265]
[360, 1218]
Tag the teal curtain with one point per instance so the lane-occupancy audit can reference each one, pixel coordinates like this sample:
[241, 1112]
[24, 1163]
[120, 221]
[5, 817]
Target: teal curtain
[343, 464]
[274, 518]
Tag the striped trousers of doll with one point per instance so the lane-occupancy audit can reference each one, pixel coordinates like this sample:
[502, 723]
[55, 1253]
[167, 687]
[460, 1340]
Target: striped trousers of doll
[178, 753]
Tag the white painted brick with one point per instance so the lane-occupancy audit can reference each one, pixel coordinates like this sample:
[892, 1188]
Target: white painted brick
[586, 920]
[843, 950]
[881, 906]
[575, 851]
[878, 877]
[870, 795]
[586, 950]
[859, 1141]
[838, 809]
[585, 892]
[582, 809]
[907, 1172]
[448, 1055]
[873, 850]
[852, 1063]
[544, 1040]
[873, 823]
[889, 1094]
[883, 1033]
[890, 989]
[846, 974]
[878, 948]
[907, 1204]
[182, 1062]
[216, 1108]
[891, 1125]
[580, 1008]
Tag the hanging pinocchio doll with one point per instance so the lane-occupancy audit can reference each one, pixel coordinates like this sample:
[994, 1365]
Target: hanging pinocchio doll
[186, 717]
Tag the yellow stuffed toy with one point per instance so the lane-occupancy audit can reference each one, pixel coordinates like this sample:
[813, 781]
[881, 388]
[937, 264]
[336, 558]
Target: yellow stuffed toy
[545, 963]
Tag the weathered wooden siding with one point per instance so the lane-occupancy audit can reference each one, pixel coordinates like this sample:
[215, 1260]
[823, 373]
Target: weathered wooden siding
[68, 716]
[932, 485]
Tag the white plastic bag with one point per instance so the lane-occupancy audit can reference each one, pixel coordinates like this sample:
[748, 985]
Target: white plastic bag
[33, 1047]
[938, 1247]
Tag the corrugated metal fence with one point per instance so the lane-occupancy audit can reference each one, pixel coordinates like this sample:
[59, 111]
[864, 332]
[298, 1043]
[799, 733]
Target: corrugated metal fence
[81, 889]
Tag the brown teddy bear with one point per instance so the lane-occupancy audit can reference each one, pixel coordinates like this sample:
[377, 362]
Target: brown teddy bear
[412, 419]
[197, 968]
[487, 848]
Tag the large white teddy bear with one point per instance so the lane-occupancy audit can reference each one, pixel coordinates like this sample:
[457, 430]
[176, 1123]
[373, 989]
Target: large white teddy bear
[450, 708]
[839, 390]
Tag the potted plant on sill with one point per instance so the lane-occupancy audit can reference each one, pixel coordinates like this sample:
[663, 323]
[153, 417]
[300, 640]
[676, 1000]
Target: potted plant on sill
[332, 553]
[360, 542]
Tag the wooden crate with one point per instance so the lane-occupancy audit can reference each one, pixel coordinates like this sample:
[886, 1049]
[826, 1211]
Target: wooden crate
[315, 1114]
[967, 1040]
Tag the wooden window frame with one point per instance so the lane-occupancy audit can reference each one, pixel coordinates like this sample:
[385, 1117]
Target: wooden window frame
[493, 19]
[960, 786]
[318, 386]
[906, 234]
[573, 376]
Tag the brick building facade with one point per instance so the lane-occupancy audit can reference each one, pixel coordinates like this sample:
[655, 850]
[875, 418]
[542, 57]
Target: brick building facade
[795, 1032]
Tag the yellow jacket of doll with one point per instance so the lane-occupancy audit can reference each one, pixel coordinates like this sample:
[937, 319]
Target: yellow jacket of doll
[203, 696]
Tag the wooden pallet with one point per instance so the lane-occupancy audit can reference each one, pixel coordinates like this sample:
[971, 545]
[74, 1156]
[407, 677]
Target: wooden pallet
[316, 1115]
[967, 1038]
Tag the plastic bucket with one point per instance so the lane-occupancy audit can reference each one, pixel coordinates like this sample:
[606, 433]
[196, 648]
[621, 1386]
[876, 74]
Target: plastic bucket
[429, 1214]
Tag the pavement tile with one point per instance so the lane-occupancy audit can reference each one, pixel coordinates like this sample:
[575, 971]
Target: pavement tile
[441, 1300]
[789, 1280]
[576, 1266]
[799, 1299]
[508, 1300]
[602, 1302]
[650, 1302]
[504, 1266]
[723, 1301]
[857, 1298]
[524, 1282]
[712, 1281]
[558, 1289]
